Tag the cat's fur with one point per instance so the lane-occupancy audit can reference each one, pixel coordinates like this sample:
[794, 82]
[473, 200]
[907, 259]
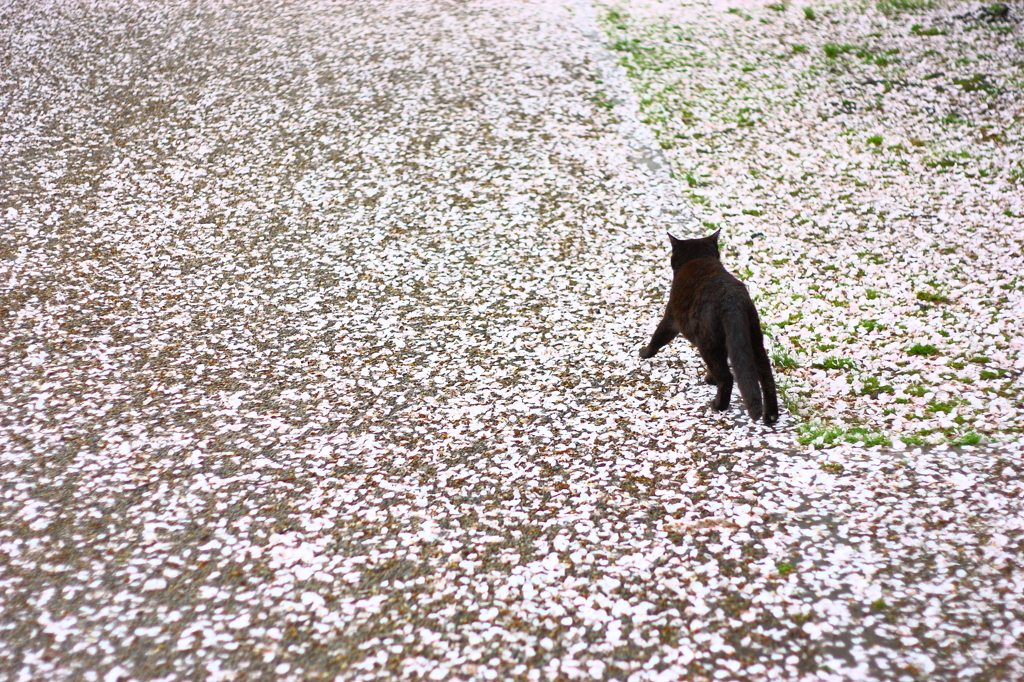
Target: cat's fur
[713, 310]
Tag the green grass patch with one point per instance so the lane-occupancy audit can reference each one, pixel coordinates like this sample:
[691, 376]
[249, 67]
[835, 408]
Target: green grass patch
[922, 349]
[626, 45]
[977, 83]
[809, 14]
[891, 7]
[614, 16]
[969, 438]
[943, 407]
[782, 358]
[942, 163]
[693, 181]
[835, 362]
[1017, 172]
[873, 386]
[790, 397]
[931, 297]
[833, 50]
[813, 433]
[784, 568]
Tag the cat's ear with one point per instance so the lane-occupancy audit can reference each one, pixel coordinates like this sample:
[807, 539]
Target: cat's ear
[672, 240]
[715, 235]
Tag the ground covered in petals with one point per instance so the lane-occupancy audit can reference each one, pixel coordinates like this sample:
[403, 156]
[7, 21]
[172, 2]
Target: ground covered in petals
[864, 161]
[318, 360]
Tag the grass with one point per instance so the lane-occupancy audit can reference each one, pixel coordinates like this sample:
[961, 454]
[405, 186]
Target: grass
[693, 181]
[784, 568]
[922, 349]
[833, 50]
[976, 83]
[946, 161]
[891, 7]
[790, 396]
[839, 339]
[969, 438]
[950, 436]
[835, 362]
[814, 433]
[943, 407]
[872, 386]
[931, 297]
[1017, 172]
[782, 359]
[913, 439]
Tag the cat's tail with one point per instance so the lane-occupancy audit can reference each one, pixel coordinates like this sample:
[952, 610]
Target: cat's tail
[764, 368]
[740, 345]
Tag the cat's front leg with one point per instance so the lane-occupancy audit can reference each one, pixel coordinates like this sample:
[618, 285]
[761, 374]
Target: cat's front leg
[665, 332]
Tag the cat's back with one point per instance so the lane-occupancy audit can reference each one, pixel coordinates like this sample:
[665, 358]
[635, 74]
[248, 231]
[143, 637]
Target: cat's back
[706, 284]
[704, 274]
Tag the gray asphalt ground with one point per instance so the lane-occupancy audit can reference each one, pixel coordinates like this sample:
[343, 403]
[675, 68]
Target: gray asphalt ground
[318, 325]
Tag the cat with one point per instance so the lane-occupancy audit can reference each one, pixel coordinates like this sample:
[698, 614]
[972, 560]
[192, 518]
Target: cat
[713, 310]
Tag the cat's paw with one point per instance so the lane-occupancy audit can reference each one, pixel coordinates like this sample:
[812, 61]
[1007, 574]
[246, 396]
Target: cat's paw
[717, 405]
[645, 353]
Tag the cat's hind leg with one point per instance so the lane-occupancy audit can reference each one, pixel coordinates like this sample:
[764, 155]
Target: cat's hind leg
[717, 360]
[665, 332]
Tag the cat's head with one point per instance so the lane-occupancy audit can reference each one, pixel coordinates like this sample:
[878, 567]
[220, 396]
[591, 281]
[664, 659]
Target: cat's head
[686, 250]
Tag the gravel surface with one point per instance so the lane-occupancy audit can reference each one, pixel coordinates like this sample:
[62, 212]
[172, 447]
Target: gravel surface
[318, 325]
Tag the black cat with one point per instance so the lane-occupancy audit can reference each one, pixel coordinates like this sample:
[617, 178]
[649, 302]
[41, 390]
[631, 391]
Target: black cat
[713, 310]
